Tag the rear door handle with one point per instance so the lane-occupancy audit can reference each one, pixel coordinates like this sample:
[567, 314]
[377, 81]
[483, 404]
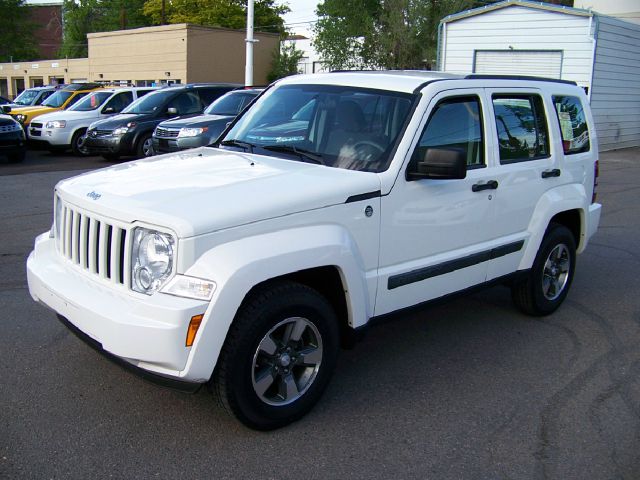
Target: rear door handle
[490, 185]
[551, 173]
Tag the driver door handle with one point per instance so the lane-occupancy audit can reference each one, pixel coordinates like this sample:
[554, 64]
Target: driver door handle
[490, 185]
[551, 173]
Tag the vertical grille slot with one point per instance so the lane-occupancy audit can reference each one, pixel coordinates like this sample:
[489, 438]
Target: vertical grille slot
[109, 258]
[96, 246]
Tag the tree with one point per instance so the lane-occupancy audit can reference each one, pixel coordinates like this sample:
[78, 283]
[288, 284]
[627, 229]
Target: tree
[390, 34]
[218, 13]
[285, 61]
[17, 42]
[87, 16]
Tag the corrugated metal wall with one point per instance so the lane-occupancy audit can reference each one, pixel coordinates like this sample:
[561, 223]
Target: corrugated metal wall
[615, 94]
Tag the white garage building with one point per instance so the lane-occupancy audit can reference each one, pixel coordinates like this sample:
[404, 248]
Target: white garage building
[517, 37]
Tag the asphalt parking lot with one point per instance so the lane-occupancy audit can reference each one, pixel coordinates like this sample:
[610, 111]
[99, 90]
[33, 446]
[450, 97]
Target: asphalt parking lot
[471, 389]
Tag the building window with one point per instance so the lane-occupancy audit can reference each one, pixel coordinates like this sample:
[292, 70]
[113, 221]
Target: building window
[573, 124]
[145, 83]
[36, 81]
[522, 127]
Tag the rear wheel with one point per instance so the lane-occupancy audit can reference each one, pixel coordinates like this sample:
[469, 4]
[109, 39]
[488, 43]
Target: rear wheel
[278, 357]
[144, 147]
[77, 143]
[549, 280]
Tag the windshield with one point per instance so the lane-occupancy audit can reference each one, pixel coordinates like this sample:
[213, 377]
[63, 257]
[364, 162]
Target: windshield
[337, 126]
[150, 103]
[57, 99]
[230, 104]
[91, 102]
[26, 97]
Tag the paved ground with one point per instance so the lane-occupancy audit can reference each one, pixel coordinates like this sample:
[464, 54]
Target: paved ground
[467, 390]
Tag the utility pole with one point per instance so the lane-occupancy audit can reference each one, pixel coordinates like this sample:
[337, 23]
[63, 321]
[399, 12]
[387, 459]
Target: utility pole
[248, 66]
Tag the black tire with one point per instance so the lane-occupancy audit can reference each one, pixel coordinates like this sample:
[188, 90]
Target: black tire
[546, 285]
[144, 147]
[76, 143]
[273, 309]
[16, 157]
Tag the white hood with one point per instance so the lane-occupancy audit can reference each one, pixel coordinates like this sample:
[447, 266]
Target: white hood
[67, 115]
[207, 189]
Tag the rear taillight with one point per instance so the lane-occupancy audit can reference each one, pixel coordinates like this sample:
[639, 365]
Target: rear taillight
[596, 173]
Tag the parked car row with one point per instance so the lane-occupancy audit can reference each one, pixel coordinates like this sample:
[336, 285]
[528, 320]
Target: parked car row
[90, 119]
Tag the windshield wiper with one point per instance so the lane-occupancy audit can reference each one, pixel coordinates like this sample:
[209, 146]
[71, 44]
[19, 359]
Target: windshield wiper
[238, 143]
[302, 153]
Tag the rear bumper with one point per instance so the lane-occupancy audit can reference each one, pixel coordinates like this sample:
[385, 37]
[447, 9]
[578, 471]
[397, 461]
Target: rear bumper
[147, 332]
[593, 220]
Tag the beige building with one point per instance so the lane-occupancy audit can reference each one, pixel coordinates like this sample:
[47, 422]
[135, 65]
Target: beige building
[180, 53]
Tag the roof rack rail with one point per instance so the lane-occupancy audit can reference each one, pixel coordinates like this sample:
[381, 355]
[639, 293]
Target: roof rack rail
[480, 76]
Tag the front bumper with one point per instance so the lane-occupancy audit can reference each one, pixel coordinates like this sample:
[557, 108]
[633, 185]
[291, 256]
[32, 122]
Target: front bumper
[148, 332]
[169, 145]
[58, 137]
[110, 144]
[12, 143]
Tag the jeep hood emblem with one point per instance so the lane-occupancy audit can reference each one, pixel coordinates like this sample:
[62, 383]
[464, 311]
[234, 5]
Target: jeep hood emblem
[93, 195]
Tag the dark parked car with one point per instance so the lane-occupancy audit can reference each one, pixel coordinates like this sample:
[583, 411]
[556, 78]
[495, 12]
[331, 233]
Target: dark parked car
[12, 139]
[175, 135]
[129, 133]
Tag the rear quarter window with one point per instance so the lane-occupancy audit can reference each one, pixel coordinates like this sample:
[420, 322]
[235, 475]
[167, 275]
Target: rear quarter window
[573, 124]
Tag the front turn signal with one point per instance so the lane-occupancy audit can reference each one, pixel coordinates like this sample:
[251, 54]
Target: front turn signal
[194, 325]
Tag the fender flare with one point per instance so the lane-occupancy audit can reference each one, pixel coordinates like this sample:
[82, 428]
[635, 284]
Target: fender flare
[240, 265]
[552, 202]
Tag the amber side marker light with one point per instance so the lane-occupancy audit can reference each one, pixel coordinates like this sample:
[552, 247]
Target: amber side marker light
[194, 325]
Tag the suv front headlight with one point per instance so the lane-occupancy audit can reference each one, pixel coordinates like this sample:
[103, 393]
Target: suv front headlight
[151, 259]
[191, 132]
[56, 124]
[21, 117]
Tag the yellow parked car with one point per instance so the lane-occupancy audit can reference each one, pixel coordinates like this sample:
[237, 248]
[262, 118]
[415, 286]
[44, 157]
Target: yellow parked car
[61, 100]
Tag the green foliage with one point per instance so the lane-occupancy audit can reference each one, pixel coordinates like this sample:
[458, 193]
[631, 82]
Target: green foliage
[17, 41]
[390, 34]
[218, 13]
[285, 61]
[87, 16]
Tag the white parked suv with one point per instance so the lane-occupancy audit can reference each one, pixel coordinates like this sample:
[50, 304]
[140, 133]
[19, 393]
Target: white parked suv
[65, 129]
[336, 199]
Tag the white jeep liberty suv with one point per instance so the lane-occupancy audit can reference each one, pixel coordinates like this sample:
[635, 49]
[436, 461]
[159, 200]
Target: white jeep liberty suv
[334, 200]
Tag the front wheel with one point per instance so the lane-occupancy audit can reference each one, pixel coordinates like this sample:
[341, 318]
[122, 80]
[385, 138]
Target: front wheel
[77, 144]
[145, 146]
[548, 281]
[278, 357]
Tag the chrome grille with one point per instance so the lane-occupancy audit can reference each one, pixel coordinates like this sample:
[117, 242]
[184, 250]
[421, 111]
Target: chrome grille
[97, 246]
[99, 133]
[166, 133]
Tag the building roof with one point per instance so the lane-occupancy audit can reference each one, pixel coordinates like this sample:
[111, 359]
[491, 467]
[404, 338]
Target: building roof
[518, 3]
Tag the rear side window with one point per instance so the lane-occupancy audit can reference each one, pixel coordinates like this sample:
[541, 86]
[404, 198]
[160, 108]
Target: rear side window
[573, 124]
[522, 127]
[455, 123]
[208, 95]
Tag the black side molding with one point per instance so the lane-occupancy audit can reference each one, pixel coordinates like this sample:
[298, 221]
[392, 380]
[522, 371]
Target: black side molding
[420, 274]
[363, 196]
[188, 387]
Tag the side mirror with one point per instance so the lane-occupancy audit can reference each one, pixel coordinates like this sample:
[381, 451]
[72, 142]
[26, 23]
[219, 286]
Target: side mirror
[172, 111]
[109, 110]
[439, 164]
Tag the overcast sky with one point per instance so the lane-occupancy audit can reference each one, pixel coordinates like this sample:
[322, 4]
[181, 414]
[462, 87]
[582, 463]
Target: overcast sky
[301, 11]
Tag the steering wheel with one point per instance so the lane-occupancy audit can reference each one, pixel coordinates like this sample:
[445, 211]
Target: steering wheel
[368, 145]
